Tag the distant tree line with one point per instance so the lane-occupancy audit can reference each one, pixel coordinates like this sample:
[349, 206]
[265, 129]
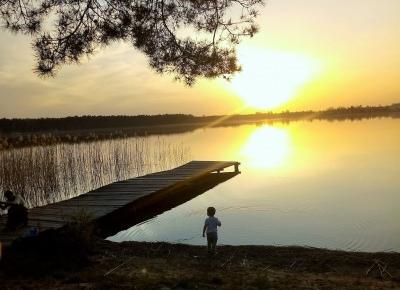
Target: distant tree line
[45, 131]
[89, 122]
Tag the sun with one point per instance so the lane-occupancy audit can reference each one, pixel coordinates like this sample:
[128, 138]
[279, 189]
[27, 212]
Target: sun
[271, 78]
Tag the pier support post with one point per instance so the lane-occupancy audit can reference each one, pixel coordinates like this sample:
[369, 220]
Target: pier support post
[237, 167]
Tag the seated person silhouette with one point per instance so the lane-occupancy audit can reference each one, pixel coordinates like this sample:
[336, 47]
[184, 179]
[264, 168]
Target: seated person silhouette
[17, 212]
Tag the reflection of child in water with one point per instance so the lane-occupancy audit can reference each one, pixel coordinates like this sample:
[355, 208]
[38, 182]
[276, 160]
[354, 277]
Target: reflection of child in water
[210, 225]
[17, 212]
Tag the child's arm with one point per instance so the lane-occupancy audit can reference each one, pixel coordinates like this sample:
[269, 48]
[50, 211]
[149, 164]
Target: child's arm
[204, 230]
[219, 222]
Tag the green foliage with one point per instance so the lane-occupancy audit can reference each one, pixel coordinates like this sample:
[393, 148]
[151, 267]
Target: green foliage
[80, 229]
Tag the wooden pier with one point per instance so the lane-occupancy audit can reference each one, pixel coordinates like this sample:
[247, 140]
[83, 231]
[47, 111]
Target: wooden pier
[118, 198]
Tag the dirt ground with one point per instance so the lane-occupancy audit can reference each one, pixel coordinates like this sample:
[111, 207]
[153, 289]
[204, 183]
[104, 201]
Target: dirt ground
[164, 266]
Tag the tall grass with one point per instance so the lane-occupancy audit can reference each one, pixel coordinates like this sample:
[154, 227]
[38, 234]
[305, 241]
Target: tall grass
[47, 174]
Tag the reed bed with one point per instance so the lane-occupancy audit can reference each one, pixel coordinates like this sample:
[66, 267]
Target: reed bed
[47, 174]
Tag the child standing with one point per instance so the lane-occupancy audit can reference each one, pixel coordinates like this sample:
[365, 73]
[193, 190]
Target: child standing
[210, 225]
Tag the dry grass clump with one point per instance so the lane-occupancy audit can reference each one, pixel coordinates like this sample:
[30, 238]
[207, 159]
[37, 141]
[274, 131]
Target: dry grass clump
[46, 174]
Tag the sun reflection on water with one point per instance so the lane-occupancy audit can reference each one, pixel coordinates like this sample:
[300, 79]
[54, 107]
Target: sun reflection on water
[268, 147]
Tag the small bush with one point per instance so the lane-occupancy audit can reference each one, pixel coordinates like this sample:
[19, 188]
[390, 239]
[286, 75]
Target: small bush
[81, 230]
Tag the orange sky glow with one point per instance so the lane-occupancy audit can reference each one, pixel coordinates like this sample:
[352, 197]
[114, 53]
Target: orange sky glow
[309, 54]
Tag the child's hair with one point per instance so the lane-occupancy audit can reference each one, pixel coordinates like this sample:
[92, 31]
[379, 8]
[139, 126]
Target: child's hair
[9, 195]
[211, 211]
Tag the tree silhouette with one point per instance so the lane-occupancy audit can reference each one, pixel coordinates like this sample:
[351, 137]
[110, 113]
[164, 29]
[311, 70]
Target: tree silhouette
[189, 38]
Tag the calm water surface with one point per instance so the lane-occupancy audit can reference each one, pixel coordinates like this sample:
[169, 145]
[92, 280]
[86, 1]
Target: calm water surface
[320, 184]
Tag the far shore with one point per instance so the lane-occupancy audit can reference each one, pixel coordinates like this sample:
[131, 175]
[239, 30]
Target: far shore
[16, 133]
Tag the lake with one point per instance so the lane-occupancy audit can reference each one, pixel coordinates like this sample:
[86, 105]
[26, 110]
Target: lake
[312, 183]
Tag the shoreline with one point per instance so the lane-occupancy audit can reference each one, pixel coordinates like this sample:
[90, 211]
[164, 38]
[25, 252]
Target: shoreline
[20, 138]
[277, 246]
[143, 265]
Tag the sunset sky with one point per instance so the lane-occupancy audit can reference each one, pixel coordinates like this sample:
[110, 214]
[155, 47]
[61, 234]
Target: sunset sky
[309, 54]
